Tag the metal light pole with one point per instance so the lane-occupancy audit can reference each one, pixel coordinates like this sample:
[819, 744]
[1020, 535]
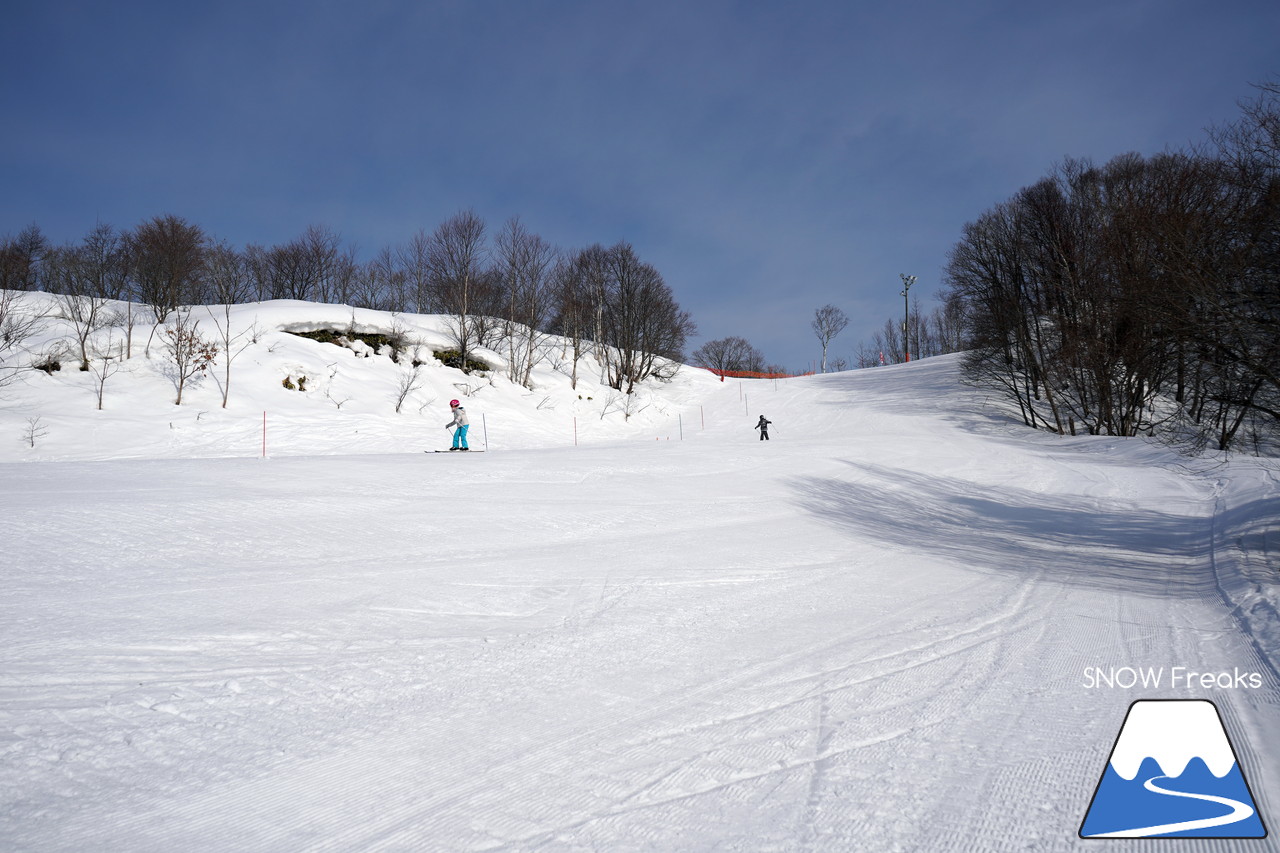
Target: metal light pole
[907, 281]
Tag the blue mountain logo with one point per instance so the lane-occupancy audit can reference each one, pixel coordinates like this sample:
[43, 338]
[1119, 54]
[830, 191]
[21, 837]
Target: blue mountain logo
[1173, 774]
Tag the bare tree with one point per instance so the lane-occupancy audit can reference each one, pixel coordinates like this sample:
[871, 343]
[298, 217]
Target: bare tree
[258, 266]
[488, 308]
[1253, 140]
[397, 292]
[286, 272]
[1243, 310]
[939, 332]
[409, 380]
[228, 276]
[575, 293]
[321, 249]
[456, 254]
[87, 277]
[106, 361]
[230, 342]
[310, 267]
[20, 320]
[343, 276]
[35, 430]
[106, 260]
[379, 284]
[414, 261]
[190, 355]
[828, 321]
[87, 314]
[947, 326]
[68, 273]
[1130, 298]
[103, 264]
[167, 264]
[369, 287]
[888, 342]
[644, 330]
[525, 266]
[20, 259]
[729, 355]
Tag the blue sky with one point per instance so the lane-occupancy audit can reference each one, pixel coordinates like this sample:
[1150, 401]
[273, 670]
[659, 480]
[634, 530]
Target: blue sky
[767, 157]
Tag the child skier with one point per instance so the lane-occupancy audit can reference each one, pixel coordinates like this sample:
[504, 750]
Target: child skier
[763, 426]
[460, 421]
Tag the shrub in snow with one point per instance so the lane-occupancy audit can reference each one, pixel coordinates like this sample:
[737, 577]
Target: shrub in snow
[363, 344]
[35, 430]
[47, 363]
[453, 358]
[189, 353]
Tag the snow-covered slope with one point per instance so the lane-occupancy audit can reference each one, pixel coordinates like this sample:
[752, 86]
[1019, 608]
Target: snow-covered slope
[881, 630]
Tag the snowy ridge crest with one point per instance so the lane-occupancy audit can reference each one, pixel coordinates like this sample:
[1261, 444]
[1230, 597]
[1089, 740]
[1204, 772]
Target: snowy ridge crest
[1171, 734]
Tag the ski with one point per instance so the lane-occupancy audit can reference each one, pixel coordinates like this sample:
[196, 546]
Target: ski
[453, 451]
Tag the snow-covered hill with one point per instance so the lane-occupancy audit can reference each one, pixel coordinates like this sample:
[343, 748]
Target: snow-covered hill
[317, 398]
[885, 629]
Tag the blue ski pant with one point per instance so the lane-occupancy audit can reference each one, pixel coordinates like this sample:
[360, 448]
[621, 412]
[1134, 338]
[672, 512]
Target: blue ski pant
[460, 436]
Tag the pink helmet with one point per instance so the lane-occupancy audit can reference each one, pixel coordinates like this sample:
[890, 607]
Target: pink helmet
[453, 404]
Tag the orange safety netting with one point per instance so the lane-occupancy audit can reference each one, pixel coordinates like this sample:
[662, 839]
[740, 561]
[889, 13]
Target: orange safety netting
[751, 374]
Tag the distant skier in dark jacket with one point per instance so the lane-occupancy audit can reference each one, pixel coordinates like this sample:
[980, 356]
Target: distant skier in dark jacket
[763, 426]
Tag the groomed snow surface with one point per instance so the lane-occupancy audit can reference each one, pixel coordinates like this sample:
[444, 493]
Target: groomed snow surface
[871, 633]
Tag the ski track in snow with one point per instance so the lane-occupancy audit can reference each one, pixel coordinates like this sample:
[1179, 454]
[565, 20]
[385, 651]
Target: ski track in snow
[868, 634]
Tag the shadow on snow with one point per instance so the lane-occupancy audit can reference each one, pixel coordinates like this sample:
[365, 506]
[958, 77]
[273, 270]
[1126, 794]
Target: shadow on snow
[1145, 552]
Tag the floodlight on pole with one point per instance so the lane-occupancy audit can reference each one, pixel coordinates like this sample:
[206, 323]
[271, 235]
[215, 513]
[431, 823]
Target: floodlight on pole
[907, 281]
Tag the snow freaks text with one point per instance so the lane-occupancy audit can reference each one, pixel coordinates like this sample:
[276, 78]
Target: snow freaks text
[1175, 677]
